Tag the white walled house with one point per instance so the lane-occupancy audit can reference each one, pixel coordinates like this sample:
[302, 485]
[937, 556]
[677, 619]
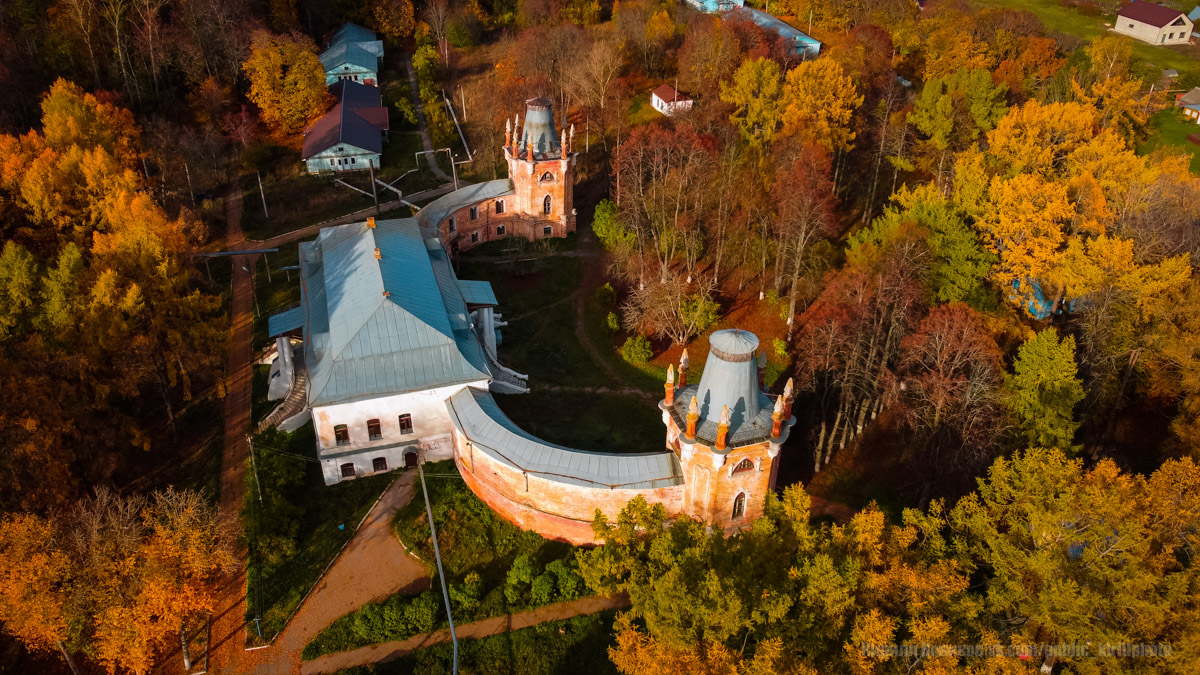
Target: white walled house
[350, 136]
[390, 334]
[669, 101]
[1155, 24]
[352, 55]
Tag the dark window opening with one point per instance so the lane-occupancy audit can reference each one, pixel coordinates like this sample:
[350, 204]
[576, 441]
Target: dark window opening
[500, 206]
[744, 465]
[739, 506]
[546, 205]
[474, 237]
[341, 434]
[474, 212]
[547, 230]
[499, 229]
[348, 470]
[406, 426]
[379, 464]
[410, 459]
[374, 432]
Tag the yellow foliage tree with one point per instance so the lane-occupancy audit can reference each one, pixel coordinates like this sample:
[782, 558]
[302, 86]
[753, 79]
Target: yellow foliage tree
[819, 101]
[1038, 137]
[1023, 225]
[287, 81]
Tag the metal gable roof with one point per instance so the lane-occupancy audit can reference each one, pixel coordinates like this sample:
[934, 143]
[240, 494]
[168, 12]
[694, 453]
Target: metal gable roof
[478, 292]
[436, 210]
[360, 342]
[352, 32]
[358, 120]
[347, 53]
[1149, 13]
[476, 415]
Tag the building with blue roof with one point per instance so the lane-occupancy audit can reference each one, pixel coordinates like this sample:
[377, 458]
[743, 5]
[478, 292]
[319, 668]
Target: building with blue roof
[353, 55]
[801, 44]
[716, 6]
[350, 136]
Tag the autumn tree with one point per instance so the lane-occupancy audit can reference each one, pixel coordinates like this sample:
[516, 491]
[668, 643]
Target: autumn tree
[755, 92]
[394, 19]
[818, 100]
[287, 81]
[804, 211]
[954, 111]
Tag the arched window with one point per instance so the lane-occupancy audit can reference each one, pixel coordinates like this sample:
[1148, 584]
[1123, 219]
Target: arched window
[499, 206]
[379, 464]
[348, 470]
[744, 465]
[546, 204]
[547, 177]
[739, 505]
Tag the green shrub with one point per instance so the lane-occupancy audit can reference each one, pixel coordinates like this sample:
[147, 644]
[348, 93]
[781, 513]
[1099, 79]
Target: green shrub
[520, 578]
[613, 322]
[464, 595]
[636, 350]
[421, 615]
[543, 589]
[606, 295]
[780, 347]
[701, 312]
[566, 574]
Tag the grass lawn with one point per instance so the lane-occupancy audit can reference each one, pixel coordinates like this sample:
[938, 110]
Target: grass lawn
[1170, 130]
[576, 646]
[640, 110]
[1070, 21]
[596, 422]
[276, 291]
[298, 528]
[492, 567]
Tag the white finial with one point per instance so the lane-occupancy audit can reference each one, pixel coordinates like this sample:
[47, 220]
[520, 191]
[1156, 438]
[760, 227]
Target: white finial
[778, 405]
[508, 125]
[671, 374]
[694, 407]
[683, 358]
[787, 388]
[562, 143]
[725, 416]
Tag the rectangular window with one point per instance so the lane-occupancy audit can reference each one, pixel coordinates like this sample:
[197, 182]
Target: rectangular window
[547, 230]
[453, 225]
[352, 160]
[474, 237]
[348, 470]
[332, 162]
[500, 206]
[379, 464]
[499, 229]
[374, 432]
[474, 212]
[341, 434]
[406, 426]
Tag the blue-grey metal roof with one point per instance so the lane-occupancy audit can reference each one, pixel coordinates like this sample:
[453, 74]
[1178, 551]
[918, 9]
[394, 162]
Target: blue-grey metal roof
[730, 378]
[360, 343]
[477, 292]
[436, 210]
[1194, 15]
[359, 119]
[804, 42]
[347, 53]
[287, 320]
[352, 32]
[715, 5]
[476, 415]
[538, 135]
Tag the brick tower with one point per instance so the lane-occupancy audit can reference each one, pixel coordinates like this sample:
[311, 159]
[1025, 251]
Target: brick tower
[541, 166]
[726, 431]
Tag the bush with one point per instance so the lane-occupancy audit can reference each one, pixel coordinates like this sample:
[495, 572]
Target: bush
[606, 295]
[636, 350]
[520, 578]
[780, 347]
[613, 322]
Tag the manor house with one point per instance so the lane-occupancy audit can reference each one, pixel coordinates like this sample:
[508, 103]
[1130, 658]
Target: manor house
[398, 364]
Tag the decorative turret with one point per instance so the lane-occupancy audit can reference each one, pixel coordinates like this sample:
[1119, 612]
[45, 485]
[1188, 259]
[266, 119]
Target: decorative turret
[670, 386]
[538, 139]
[507, 133]
[788, 398]
[777, 419]
[541, 169]
[683, 368]
[693, 414]
[723, 428]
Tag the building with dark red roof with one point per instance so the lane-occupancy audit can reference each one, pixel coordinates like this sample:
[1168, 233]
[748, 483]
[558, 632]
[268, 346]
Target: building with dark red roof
[1156, 24]
[670, 101]
[350, 136]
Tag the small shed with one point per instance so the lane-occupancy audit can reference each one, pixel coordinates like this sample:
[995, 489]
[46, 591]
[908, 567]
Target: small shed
[670, 101]
[1190, 103]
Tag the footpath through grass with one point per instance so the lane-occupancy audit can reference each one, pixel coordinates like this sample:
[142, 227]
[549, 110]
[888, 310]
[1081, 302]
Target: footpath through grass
[575, 646]
[299, 526]
[492, 568]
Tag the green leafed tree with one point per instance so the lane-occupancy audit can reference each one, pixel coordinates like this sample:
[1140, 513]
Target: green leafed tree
[1043, 390]
[755, 95]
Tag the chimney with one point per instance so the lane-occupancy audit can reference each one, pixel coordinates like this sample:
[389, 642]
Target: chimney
[371, 222]
[692, 415]
[683, 368]
[670, 386]
[723, 428]
[777, 418]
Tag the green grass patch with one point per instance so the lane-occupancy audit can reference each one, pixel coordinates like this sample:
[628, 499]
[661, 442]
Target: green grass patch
[1070, 21]
[589, 421]
[1169, 129]
[640, 110]
[299, 526]
[645, 376]
[492, 567]
[298, 200]
[575, 646]
[260, 407]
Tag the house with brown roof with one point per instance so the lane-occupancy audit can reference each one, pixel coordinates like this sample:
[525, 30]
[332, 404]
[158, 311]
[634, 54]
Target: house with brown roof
[670, 101]
[1156, 24]
[350, 136]
[1190, 103]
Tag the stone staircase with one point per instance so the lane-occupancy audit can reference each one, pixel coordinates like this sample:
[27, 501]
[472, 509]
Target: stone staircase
[296, 399]
[508, 380]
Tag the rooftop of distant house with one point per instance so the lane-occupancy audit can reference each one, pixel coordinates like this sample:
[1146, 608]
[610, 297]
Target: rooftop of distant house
[670, 94]
[1150, 13]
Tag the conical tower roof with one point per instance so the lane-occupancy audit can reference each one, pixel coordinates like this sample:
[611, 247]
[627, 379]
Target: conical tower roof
[539, 135]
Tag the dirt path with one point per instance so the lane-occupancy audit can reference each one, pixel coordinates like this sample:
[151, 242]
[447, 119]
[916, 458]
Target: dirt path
[227, 631]
[624, 391]
[389, 651]
[373, 566]
[426, 141]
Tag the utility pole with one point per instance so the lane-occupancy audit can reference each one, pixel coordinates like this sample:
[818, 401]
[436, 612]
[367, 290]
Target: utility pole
[463, 95]
[254, 466]
[253, 291]
[191, 192]
[263, 194]
[438, 556]
[453, 167]
[187, 656]
[374, 194]
[67, 655]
